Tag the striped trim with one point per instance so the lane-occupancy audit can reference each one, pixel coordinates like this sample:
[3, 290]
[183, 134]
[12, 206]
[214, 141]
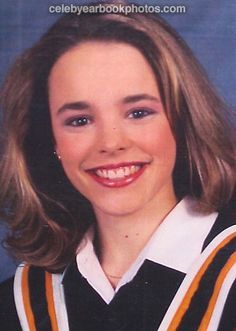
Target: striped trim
[225, 289]
[59, 301]
[39, 300]
[18, 296]
[220, 280]
[194, 286]
[181, 301]
[205, 287]
[50, 301]
[26, 298]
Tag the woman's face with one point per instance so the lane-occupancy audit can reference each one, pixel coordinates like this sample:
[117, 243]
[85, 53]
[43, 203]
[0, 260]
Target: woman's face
[110, 129]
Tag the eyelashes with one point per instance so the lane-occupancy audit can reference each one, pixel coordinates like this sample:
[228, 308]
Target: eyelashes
[140, 113]
[78, 121]
[84, 120]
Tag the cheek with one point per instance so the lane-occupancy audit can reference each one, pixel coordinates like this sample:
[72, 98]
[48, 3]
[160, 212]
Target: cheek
[72, 149]
[159, 141]
[166, 143]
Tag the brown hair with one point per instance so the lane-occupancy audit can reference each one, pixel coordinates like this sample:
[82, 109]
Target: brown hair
[47, 216]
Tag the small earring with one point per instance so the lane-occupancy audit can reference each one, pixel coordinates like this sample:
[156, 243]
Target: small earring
[57, 155]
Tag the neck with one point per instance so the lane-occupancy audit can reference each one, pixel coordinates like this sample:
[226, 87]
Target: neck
[120, 238]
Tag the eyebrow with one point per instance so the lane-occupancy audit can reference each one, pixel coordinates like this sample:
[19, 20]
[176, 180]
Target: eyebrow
[140, 97]
[78, 105]
[83, 105]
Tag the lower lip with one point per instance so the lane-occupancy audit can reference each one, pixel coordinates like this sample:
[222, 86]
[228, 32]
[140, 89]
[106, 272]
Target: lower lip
[120, 182]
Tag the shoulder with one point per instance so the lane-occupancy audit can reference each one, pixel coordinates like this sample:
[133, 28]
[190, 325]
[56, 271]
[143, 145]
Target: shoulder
[223, 265]
[209, 287]
[38, 297]
[8, 315]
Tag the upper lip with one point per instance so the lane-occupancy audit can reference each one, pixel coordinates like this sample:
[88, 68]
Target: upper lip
[118, 165]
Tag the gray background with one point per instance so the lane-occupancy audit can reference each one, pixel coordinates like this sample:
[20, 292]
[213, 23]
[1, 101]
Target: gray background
[209, 27]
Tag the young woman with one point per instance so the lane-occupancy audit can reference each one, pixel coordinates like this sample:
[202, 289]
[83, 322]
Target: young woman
[117, 181]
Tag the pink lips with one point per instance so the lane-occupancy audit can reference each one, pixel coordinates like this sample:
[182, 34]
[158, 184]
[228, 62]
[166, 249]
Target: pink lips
[128, 173]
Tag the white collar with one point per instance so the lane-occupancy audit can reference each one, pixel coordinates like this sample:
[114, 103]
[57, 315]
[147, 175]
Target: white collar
[176, 243]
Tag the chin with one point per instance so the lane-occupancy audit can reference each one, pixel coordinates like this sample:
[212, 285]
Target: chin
[119, 207]
[119, 212]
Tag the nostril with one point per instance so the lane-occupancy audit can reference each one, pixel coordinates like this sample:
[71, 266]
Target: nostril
[112, 150]
[112, 140]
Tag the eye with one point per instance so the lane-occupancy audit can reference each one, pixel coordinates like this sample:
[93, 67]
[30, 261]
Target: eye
[140, 113]
[78, 121]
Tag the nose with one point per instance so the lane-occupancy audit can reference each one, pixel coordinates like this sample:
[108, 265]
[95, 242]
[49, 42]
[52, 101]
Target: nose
[113, 139]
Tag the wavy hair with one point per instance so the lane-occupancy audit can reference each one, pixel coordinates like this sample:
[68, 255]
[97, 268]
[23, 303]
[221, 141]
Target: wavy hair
[46, 215]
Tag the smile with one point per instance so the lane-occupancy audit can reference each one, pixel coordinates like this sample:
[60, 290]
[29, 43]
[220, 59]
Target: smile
[117, 175]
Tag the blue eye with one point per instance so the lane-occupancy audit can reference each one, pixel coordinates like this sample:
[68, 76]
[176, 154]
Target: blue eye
[78, 121]
[140, 113]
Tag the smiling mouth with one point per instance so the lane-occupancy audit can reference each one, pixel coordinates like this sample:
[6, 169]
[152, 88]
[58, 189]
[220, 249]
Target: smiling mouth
[117, 175]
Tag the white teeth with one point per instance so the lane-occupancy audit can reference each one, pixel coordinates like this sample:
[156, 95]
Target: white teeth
[121, 172]
[126, 170]
[100, 173]
[111, 174]
[133, 169]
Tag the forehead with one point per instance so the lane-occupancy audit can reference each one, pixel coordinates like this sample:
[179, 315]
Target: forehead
[99, 58]
[88, 51]
[101, 69]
